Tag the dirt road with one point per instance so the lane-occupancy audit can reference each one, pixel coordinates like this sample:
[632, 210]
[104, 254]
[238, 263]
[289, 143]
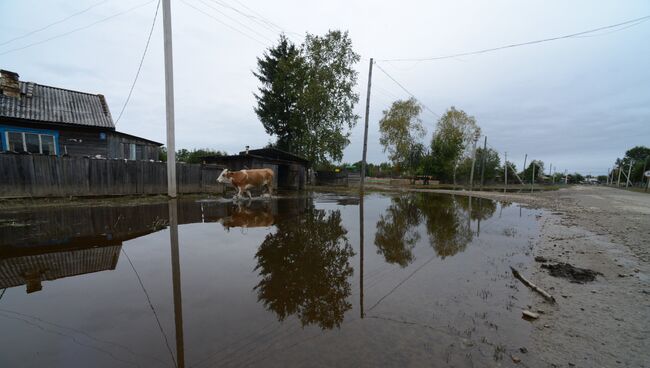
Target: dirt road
[604, 323]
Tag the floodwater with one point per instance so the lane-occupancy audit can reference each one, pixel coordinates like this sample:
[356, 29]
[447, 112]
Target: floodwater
[311, 280]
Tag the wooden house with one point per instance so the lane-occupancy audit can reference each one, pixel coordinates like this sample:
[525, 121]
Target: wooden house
[46, 120]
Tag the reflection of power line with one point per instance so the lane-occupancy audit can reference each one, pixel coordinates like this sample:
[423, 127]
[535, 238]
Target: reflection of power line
[90, 337]
[402, 282]
[162, 331]
[71, 337]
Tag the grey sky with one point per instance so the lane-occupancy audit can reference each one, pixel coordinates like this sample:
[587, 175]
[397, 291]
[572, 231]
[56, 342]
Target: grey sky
[576, 103]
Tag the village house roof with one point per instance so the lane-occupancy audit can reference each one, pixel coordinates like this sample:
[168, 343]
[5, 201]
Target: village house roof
[56, 105]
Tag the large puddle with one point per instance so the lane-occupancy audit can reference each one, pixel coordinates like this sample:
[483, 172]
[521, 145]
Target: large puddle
[312, 280]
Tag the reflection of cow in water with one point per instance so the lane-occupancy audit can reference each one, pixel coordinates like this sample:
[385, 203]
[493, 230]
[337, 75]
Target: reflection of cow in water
[248, 216]
[244, 180]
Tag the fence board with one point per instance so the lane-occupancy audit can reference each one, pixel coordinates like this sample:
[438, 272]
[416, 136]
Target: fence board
[52, 176]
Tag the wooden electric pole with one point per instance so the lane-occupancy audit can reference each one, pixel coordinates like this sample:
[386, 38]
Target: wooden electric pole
[365, 129]
[471, 173]
[505, 172]
[483, 155]
[169, 99]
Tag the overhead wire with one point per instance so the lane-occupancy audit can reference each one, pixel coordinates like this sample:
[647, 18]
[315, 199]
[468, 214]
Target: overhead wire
[633, 22]
[78, 29]
[233, 19]
[53, 23]
[224, 23]
[137, 74]
[406, 90]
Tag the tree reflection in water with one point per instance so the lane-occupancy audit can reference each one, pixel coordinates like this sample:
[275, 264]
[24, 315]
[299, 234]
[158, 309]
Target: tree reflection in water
[397, 231]
[305, 269]
[446, 218]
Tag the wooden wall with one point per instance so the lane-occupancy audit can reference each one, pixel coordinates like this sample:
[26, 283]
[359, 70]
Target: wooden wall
[51, 176]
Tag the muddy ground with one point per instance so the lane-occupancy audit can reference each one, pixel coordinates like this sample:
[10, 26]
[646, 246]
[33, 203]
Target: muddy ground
[606, 322]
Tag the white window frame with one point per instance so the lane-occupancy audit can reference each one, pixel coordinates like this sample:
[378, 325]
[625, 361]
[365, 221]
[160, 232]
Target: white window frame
[40, 141]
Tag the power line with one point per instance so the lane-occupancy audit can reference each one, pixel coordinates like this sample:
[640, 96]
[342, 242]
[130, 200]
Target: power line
[53, 23]
[266, 20]
[137, 74]
[573, 35]
[78, 29]
[224, 23]
[406, 90]
[257, 18]
[233, 19]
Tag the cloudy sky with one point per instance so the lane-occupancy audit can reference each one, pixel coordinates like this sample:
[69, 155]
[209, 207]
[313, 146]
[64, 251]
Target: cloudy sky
[576, 103]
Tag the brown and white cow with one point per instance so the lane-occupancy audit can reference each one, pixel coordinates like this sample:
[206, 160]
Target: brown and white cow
[243, 180]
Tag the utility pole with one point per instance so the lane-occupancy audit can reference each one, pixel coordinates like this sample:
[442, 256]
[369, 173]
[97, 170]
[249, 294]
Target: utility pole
[365, 129]
[523, 168]
[629, 171]
[471, 173]
[169, 99]
[532, 180]
[618, 183]
[566, 177]
[483, 160]
[505, 172]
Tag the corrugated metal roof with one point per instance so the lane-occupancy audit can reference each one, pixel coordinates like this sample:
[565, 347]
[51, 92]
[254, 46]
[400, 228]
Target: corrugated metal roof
[57, 105]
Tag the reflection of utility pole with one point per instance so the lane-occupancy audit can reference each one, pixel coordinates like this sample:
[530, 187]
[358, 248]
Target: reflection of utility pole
[480, 212]
[176, 282]
[361, 239]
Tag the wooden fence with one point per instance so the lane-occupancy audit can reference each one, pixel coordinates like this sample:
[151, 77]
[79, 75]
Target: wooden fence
[52, 176]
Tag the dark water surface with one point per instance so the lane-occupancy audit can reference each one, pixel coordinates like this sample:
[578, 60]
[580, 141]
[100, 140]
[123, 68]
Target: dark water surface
[311, 280]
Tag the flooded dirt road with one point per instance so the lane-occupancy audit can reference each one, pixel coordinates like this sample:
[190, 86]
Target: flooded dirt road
[312, 280]
[604, 323]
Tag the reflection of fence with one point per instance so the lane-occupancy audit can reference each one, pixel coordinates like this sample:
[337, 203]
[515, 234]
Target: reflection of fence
[52, 176]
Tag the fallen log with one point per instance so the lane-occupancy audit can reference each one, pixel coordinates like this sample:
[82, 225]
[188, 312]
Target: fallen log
[543, 293]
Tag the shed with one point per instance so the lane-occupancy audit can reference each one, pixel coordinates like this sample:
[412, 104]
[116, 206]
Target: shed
[40, 119]
[290, 169]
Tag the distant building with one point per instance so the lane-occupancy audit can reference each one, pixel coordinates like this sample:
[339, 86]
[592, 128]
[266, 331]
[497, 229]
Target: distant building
[290, 170]
[54, 121]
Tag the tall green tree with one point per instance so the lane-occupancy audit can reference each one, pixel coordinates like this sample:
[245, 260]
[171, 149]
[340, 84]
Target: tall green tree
[400, 131]
[306, 99]
[454, 134]
[282, 72]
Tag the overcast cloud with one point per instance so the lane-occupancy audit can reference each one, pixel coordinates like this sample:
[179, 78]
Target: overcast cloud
[576, 103]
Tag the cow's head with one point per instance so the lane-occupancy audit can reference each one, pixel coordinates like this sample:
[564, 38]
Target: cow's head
[225, 177]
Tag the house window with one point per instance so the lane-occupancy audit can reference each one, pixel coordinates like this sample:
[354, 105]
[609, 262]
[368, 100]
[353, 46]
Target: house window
[31, 142]
[15, 142]
[47, 144]
[132, 151]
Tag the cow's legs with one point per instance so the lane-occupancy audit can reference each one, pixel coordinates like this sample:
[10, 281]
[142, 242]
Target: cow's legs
[250, 196]
[239, 192]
